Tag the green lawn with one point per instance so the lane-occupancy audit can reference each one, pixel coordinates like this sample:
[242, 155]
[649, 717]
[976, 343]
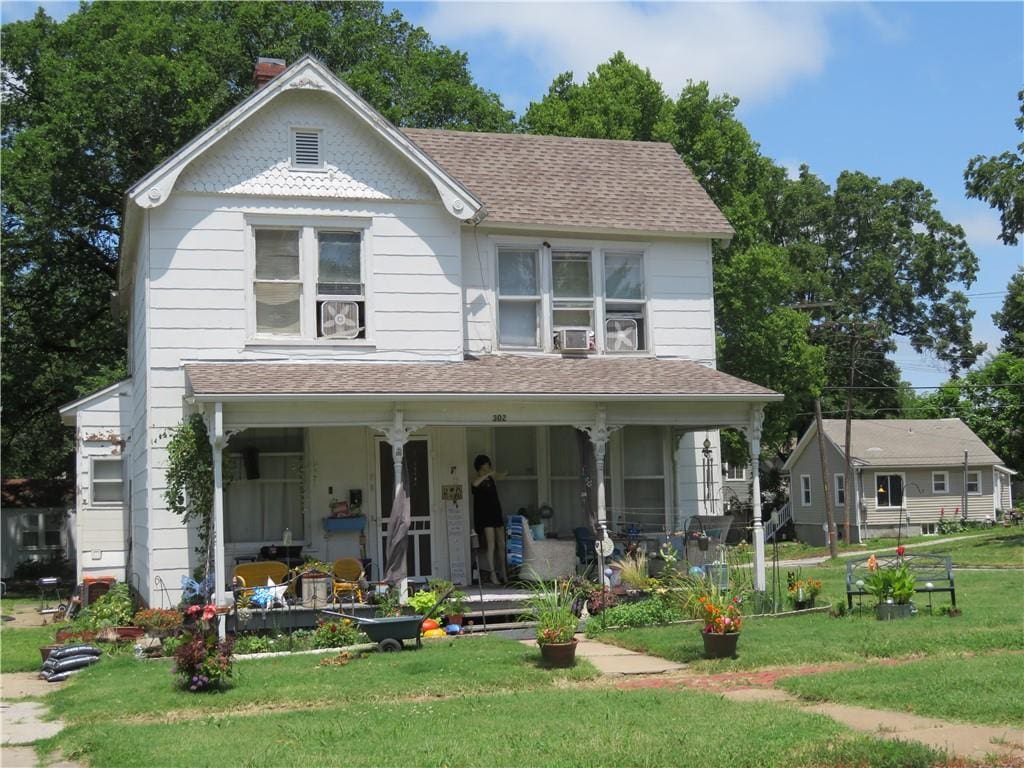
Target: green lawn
[1003, 547]
[793, 550]
[483, 701]
[19, 648]
[932, 687]
[992, 604]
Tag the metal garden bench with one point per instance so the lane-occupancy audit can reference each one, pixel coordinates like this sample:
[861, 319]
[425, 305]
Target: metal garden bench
[932, 573]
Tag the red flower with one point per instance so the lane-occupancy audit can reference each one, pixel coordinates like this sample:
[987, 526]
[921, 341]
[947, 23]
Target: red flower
[900, 551]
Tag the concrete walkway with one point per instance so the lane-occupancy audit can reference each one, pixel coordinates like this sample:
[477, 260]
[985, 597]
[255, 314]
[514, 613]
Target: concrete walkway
[21, 720]
[613, 661]
[966, 740]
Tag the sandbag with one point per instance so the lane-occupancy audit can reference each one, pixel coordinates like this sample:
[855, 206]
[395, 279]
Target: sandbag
[59, 676]
[75, 650]
[73, 662]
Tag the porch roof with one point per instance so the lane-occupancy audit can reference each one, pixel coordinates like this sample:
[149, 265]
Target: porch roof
[518, 376]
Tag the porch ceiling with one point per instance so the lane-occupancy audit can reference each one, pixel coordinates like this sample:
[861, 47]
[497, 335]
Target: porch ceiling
[493, 376]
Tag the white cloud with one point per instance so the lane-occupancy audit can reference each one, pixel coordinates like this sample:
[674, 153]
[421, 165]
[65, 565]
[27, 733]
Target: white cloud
[982, 228]
[753, 51]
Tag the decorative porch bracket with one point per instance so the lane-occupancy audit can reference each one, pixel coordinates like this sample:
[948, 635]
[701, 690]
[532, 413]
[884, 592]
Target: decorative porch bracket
[753, 433]
[599, 433]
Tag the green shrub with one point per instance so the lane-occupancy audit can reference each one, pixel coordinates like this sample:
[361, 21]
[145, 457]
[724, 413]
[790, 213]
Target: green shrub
[643, 613]
[114, 609]
[335, 634]
[253, 644]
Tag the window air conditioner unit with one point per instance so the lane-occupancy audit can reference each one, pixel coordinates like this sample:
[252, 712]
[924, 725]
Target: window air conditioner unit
[573, 339]
[339, 319]
[621, 335]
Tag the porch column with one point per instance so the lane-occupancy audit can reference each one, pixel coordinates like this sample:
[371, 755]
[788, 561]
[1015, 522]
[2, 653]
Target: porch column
[599, 433]
[753, 430]
[217, 441]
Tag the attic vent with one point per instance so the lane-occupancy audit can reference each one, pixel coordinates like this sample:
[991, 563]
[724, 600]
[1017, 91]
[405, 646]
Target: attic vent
[306, 149]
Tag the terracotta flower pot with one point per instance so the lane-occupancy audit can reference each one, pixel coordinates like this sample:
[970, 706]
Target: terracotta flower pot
[455, 618]
[718, 646]
[559, 655]
[44, 651]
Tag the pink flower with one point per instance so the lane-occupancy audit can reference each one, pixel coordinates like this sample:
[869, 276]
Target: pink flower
[194, 609]
[208, 612]
[900, 551]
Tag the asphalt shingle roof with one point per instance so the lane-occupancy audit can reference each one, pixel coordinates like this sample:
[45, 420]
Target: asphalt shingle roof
[578, 183]
[910, 442]
[492, 375]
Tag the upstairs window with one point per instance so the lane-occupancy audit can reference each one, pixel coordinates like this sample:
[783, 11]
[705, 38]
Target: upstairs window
[625, 315]
[572, 293]
[309, 283]
[306, 153]
[974, 483]
[518, 298]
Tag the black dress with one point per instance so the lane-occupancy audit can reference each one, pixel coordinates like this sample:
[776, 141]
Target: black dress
[486, 507]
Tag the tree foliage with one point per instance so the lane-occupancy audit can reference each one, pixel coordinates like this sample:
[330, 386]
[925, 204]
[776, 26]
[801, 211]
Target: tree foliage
[1010, 319]
[999, 180]
[92, 103]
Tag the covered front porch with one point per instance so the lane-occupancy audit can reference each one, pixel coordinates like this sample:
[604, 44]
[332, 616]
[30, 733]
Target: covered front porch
[609, 446]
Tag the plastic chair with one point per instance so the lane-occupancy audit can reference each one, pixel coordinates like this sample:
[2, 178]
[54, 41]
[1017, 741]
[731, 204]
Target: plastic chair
[248, 576]
[348, 574]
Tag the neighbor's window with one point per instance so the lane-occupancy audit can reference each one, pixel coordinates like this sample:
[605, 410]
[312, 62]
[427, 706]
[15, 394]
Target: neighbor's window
[518, 298]
[805, 490]
[940, 482]
[41, 529]
[300, 267]
[572, 290]
[889, 490]
[263, 469]
[974, 483]
[625, 309]
[839, 481]
[107, 481]
[734, 471]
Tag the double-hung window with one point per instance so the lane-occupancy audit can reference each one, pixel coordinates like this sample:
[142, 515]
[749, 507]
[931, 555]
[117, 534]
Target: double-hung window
[734, 471]
[41, 529]
[107, 481]
[839, 481]
[625, 317]
[974, 483]
[519, 298]
[308, 283]
[940, 482]
[805, 490]
[572, 293]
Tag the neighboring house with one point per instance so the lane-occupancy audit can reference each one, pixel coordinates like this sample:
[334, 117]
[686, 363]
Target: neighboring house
[907, 476]
[35, 518]
[333, 293]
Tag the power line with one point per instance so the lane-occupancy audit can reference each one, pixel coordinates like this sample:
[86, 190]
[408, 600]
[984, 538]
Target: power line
[936, 386]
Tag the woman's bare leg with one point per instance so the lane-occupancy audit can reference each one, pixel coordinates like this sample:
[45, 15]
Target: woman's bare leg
[490, 548]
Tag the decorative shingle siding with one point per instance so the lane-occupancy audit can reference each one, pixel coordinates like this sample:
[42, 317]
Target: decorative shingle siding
[256, 158]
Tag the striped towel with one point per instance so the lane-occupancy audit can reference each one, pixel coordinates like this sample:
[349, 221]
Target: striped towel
[514, 531]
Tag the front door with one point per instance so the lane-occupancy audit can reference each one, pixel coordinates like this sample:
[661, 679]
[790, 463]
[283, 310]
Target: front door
[419, 560]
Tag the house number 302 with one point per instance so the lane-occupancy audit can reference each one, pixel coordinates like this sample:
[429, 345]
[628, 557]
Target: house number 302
[499, 417]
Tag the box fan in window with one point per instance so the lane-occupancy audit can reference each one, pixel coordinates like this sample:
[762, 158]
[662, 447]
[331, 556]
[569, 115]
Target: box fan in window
[340, 319]
[621, 334]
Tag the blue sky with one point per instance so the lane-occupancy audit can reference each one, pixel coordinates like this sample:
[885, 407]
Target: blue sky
[891, 89]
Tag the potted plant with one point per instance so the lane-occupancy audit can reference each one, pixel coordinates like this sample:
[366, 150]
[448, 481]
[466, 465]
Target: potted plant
[536, 523]
[455, 608]
[551, 606]
[315, 579]
[892, 589]
[722, 624]
[802, 593]
[157, 622]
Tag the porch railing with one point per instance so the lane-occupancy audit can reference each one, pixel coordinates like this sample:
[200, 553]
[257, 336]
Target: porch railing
[783, 516]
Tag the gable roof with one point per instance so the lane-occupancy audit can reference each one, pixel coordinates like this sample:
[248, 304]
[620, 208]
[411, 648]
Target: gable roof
[591, 184]
[487, 376]
[902, 443]
[68, 411]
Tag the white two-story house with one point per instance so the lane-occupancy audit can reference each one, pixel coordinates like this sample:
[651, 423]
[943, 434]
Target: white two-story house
[333, 292]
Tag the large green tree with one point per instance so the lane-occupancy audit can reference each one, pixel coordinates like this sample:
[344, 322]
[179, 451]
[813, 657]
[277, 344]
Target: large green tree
[1010, 318]
[92, 103]
[999, 180]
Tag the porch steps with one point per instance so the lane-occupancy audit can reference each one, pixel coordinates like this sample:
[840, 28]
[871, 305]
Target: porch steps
[784, 515]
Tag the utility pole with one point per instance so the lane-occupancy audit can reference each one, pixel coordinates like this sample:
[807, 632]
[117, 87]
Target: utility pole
[848, 468]
[964, 506]
[829, 516]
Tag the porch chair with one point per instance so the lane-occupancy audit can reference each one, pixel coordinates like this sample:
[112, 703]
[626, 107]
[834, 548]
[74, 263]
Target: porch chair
[249, 576]
[348, 576]
[586, 554]
[547, 559]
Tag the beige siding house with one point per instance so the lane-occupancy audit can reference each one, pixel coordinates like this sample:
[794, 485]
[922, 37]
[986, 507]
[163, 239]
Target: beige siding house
[908, 475]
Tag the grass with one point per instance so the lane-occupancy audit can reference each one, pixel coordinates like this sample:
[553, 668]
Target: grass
[545, 725]
[990, 601]
[125, 688]
[19, 648]
[797, 550]
[1002, 547]
[932, 687]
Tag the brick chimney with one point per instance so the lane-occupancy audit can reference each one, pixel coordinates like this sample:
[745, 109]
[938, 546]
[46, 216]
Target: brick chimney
[266, 70]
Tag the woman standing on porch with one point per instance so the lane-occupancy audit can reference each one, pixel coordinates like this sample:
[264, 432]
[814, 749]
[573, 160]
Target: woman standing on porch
[487, 518]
